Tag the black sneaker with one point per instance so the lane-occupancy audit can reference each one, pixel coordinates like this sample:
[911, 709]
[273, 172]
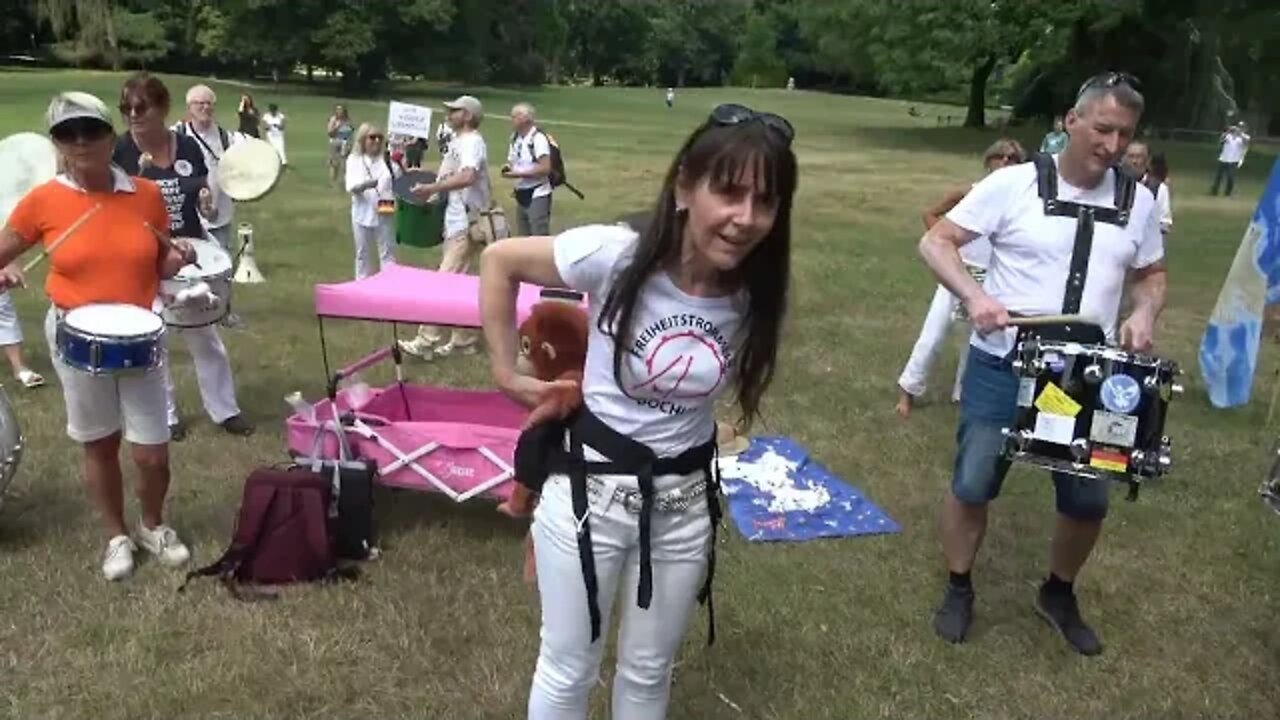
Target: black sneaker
[1062, 612]
[177, 432]
[953, 618]
[237, 425]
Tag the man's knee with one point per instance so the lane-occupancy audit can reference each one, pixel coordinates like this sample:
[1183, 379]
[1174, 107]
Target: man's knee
[646, 675]
[567, 676]
[979, 467]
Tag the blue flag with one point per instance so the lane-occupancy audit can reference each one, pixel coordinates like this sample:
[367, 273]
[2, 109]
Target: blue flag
[1229, 350]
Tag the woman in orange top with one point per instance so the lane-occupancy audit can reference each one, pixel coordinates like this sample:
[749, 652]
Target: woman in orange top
[112, 258]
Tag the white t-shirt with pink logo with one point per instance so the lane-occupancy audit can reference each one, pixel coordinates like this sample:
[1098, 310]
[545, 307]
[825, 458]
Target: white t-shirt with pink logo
[682, 347]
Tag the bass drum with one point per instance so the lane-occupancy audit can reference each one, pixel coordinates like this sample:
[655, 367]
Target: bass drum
[11, 444]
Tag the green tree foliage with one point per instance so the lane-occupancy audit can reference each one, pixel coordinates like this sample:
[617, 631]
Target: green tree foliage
[758, 63]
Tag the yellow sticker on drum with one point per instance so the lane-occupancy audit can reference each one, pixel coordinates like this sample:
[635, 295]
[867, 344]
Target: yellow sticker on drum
[1053, 400]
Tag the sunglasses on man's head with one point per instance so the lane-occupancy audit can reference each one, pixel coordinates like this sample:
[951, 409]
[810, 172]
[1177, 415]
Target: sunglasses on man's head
[1110, 79]
[86, 129]
[734, 114]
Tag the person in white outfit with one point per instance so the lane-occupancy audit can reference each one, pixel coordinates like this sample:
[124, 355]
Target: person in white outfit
[699, 298]
[943, 309]
[274, 122]
[370, 174]
[1235, 144]
[1138, 159]
[214, 141]
[11, 340]
[464, 175]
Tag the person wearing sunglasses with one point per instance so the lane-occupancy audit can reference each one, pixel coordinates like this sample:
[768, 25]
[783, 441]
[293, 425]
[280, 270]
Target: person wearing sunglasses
[111, 258]
[681, 313]
[942, 311]
[370, 174]
[175, 162]
[1032, 245]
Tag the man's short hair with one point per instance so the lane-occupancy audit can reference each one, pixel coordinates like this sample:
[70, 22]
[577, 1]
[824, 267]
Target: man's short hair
[1125, 96]
[199, 92]
[523, 108]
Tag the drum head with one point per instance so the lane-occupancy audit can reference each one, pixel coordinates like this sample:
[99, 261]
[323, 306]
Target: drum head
[248, 170]
[26, 160]
[213, 260]
[114, 320]
[404, 182]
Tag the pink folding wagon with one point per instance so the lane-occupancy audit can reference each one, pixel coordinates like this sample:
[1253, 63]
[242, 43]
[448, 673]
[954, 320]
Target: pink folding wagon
[456, 442]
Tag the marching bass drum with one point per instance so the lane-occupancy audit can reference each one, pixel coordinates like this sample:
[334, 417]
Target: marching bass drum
[11, 444]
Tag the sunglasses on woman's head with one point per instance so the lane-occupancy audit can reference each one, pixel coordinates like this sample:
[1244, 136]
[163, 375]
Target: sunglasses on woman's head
[1110, 79]
[734, 114]
[86, 129]
[375, 137]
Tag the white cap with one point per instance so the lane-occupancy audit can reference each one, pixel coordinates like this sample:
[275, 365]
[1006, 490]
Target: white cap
[468, 103]
[72, 105]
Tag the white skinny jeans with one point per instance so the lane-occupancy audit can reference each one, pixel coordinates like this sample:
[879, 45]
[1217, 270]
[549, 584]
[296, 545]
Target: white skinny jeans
[648, 640]
[933, 335]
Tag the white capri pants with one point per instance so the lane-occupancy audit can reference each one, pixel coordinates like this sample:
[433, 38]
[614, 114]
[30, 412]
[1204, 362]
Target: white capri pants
[933, 335]
[383, 235]
[101, 405]
[648, 640]
[10, 329]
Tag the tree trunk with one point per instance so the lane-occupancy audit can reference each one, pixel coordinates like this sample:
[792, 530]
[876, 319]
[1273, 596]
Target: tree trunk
[977, 115]
[311, 73]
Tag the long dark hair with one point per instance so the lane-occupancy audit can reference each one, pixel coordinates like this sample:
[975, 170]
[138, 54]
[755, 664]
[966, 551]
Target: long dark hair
[1157, 171]
[720, 155]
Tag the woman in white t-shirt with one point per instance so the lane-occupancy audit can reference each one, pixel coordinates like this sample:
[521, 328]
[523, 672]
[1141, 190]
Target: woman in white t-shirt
[370, 175]
[273, 121]
[698, 301]
[942, 311]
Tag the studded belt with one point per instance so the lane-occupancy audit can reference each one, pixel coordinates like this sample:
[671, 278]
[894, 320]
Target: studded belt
[672, 501]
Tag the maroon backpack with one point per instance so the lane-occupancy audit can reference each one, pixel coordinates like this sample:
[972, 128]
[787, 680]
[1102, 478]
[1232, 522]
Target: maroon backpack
[283, 534]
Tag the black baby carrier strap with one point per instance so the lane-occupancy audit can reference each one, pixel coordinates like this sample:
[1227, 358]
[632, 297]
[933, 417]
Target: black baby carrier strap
[1086, 216]
[628, 457]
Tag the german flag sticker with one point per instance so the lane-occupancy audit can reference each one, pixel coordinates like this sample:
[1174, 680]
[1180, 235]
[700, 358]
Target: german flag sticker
[1109, 459]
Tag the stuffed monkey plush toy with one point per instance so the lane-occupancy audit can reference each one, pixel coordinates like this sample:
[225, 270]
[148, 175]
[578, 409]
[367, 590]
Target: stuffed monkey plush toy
[553, 346]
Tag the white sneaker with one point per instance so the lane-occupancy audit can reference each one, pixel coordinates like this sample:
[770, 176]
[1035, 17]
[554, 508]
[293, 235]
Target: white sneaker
[163, 542]
[118, 562]
[416, 347]
[449, 348]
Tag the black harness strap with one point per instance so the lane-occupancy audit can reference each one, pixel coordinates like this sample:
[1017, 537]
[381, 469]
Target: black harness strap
[1086, 216]
[628, 457]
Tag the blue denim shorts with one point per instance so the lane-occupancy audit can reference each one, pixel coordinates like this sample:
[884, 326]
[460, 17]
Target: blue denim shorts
[989, 403]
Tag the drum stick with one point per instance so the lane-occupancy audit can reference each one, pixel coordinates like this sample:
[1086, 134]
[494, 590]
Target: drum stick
[1041, 320]
[169, 242]
[61, 238]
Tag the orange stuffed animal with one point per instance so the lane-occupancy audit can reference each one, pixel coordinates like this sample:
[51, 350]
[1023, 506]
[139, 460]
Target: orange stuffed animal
[553, 346]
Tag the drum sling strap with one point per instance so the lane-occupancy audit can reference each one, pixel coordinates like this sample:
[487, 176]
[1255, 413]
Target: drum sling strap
[1086, 216]
[628, 457]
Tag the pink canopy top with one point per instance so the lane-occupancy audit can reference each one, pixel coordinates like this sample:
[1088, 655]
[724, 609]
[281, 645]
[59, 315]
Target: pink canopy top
[400, 293]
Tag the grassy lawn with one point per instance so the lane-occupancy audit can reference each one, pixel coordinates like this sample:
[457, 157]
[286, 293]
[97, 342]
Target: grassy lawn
[1183, 588]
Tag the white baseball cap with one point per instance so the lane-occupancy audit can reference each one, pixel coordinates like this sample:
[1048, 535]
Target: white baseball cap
[468, 103]
[73, 105]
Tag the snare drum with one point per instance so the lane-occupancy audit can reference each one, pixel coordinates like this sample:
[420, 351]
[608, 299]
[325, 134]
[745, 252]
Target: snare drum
[979, 275]
[102, 339]
[1091, 411]
[198, 296]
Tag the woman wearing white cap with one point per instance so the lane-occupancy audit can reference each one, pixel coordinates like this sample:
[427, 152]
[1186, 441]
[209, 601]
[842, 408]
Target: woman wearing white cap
[101, 409]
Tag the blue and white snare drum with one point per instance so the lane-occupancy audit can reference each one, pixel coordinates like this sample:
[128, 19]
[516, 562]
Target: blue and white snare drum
[1092, 411]
[108, 338]
[979, 275]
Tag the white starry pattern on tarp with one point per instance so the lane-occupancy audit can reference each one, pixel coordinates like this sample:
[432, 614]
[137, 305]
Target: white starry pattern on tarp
[777, 492]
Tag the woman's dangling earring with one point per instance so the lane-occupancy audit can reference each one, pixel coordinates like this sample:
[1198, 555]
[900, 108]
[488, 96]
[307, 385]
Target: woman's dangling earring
[682, 212]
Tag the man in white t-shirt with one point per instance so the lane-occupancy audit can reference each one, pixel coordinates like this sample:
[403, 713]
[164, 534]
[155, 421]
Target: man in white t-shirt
[1028, 275]
[529, 164]
[464, 175]
[1235, 143]
[1138, 159]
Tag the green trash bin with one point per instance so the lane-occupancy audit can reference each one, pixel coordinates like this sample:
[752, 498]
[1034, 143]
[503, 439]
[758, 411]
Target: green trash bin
[418, 223]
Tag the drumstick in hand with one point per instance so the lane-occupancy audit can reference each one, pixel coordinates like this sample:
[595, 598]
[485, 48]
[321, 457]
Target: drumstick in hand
[1041, 320]
[61, 238]
[169, 242]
